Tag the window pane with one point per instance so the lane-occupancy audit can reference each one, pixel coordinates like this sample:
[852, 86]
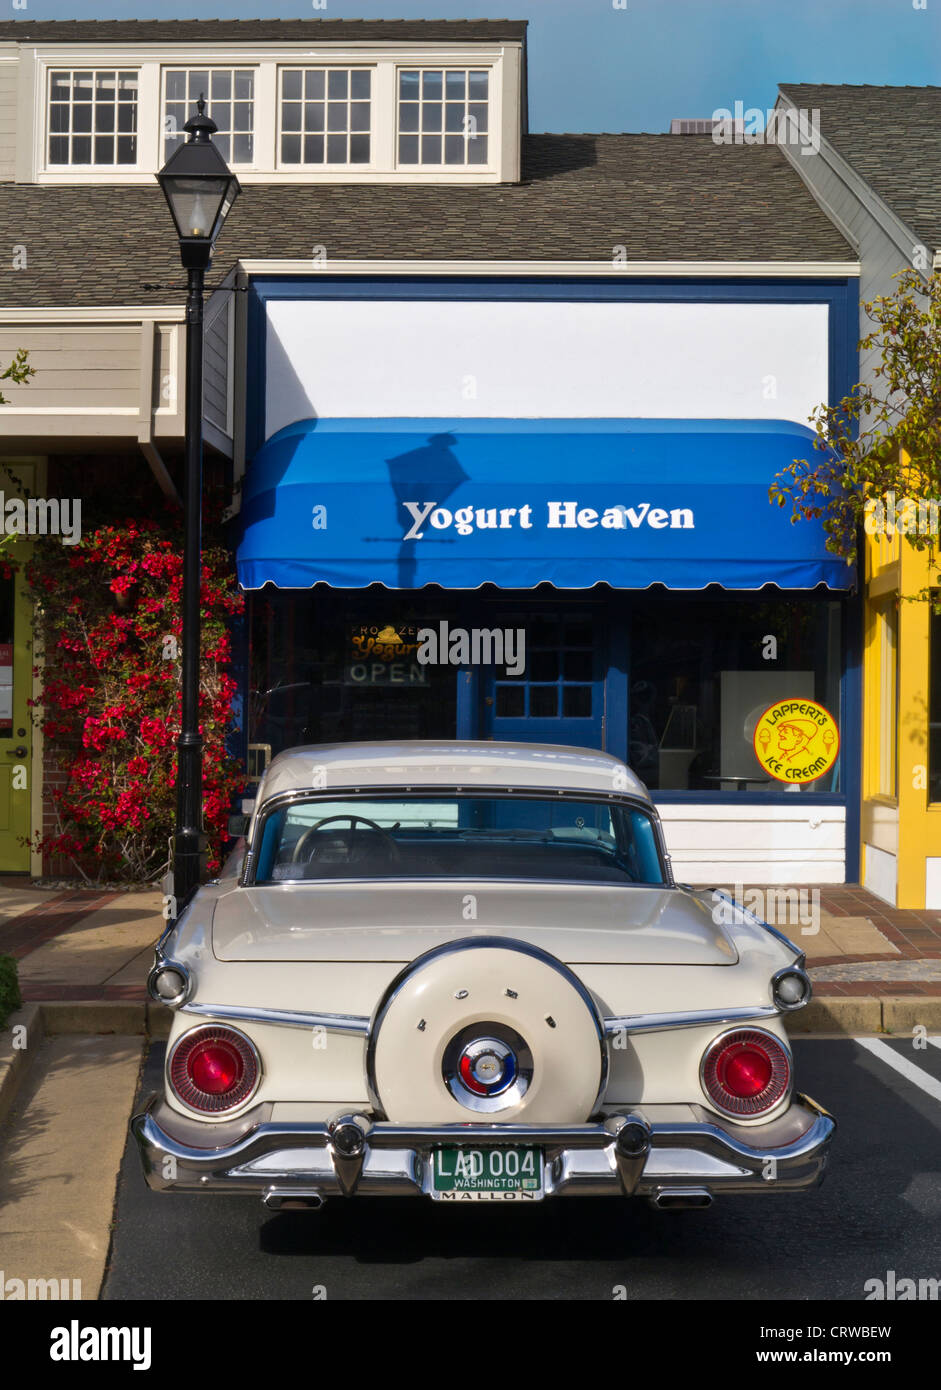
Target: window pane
[243, 151]
[59, 149]
[454, 149]
[176, 86]
[454, 116]
[577, 666]
[408, 149]
[337, 83]
[81, 149]
[290, 149]
[576, 701]
[104, 149]
[336, 149]
[313, 149]
[221, 140]
[510, 702]
[244, 85]
[359, 115]
[198, 84]
[104, 118]
[478, 85]
[409, 86]
[104, 86]
[359, 84]
[408, 115]
[82, 86]
[431, 115]
[291, 80]
[431, 149]
[127, 149]
[81, 118]
[60, 86]
[478, 113]
[359, 149]
[127, 86]
[336, 115]
[431, 88]
[221, 85]
[291, 115]
[313, 115]
[455, 86]
[127, 119]
[58, 117]
[544, 666]
[242, 116]
[543, 702]
[477, 150]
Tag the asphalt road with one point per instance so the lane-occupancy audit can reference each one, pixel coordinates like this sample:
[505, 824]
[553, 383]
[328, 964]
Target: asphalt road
[878, 1210]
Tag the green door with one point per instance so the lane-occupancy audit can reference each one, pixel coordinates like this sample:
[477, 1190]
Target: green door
[15, 727]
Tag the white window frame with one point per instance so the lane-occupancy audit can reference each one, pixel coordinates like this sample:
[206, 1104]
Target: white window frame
[213, 65]
[48, 134]
[493, 116]
[149, 61]
[325, 167]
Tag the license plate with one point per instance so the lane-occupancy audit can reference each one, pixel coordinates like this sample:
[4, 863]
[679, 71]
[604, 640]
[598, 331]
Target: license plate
[498, 1174]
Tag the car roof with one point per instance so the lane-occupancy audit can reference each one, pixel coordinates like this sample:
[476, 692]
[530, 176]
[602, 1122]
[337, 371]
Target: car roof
[448, 763]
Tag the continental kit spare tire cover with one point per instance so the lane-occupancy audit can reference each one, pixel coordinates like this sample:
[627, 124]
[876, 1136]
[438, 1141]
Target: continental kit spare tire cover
[486, 1030]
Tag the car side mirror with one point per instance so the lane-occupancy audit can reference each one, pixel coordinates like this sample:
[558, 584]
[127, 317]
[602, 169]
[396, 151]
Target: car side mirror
[238, 826]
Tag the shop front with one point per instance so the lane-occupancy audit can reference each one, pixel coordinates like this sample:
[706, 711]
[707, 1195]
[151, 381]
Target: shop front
[616, 581]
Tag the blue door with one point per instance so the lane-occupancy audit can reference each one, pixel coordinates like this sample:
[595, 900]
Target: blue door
[559, 695]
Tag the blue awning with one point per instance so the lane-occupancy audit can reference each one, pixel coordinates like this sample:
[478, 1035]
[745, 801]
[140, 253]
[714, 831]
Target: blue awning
[517, 503]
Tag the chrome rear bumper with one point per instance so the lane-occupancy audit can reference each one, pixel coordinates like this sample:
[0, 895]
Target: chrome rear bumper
[674, 1164]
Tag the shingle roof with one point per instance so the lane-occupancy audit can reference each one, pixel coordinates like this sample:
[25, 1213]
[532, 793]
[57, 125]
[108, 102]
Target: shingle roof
[260, 30]
[892, 138]
[661, 197]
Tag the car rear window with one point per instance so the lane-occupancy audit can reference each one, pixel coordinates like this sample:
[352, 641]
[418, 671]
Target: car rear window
[459, 836]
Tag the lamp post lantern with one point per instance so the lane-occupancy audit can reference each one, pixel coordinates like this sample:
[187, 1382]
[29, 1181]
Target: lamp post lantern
[200, 189]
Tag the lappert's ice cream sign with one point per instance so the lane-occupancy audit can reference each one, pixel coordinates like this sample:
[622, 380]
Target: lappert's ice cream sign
[557, 516]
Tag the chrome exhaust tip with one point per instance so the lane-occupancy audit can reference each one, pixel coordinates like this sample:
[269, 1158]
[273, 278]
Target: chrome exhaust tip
[679, 1198]
[293, 1199]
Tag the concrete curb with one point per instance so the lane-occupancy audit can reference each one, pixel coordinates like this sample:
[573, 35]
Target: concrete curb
[131, 1018]
[16, 1062]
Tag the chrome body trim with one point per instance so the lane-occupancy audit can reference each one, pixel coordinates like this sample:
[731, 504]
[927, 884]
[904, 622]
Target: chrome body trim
[283, 1018]
[659, 1023]
[299, 1158]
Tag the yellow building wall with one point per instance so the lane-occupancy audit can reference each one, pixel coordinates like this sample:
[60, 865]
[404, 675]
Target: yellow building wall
[905, 824]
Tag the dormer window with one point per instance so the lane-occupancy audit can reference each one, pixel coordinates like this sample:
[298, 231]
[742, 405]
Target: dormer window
[230, 102]
[325, 116]
[443, 116]
[92, 117]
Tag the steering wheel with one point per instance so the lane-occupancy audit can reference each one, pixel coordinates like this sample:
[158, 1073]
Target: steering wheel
[390, 844]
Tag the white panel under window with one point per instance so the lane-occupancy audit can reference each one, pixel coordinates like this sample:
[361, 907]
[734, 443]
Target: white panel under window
[538, 359]
[881, 873]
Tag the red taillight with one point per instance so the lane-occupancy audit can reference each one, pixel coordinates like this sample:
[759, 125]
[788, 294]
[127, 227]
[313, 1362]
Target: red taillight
[213, 1069]
[746, 1072]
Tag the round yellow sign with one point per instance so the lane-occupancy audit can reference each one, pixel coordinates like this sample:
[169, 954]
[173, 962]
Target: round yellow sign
[796, 740]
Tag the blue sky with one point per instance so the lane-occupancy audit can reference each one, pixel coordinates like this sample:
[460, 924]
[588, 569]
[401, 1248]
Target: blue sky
[596, 67]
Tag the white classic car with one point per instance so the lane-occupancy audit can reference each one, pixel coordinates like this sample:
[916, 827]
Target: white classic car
[464, 970]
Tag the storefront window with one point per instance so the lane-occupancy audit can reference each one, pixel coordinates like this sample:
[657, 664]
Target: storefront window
[335, 667]
[702, 674]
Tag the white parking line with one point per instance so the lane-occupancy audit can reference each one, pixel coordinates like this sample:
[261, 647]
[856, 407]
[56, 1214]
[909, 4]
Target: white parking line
[903, 1066]
[935, 1042]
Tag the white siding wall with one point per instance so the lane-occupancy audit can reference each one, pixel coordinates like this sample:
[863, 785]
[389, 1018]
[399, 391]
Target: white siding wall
[8, 97]
[721, 844]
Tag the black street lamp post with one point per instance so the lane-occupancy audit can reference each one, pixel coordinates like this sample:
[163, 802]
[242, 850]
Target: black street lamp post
[200, 189]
